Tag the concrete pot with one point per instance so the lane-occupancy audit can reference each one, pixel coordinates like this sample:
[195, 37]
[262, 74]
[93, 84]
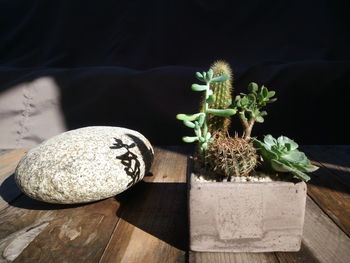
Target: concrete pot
[245, 217]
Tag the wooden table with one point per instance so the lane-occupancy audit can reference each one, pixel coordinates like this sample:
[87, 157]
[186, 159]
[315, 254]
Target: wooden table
[148, 223]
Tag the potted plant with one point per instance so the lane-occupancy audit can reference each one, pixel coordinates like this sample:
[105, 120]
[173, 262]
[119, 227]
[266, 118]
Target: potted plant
[245, 195]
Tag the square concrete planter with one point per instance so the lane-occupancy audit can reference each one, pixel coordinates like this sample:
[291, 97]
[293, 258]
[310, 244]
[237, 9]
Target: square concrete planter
[245, 217]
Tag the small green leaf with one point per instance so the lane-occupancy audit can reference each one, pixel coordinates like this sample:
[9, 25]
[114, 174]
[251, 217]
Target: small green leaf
[264, 92]
[259, 119]
[269, 141]
[189, 124]
[199, 76]
[222, 113]
[197, 87]
[221, 78]
[196, 125]
[201, 120]
[253, 87]
[204, 146]
[188, 139]
[188, 117]
[210, 74]
[211, 99]
[283, 140]
[271, 94]
[244, 101]
[208, 136]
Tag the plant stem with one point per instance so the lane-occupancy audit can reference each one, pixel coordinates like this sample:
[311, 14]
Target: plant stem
[247, 125]
[205, 124]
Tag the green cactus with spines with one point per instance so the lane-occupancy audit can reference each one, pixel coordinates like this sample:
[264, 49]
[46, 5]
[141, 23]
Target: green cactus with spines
[199, 121]
[222, 92]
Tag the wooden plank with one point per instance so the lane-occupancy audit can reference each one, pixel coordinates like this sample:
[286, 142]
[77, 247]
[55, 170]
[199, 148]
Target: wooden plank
[304, 255]
[8, 189]
[153, 225]
[169, 165]
[331, 194]
[207, 257]
[336, 158]
[67, 233]
[323, 241]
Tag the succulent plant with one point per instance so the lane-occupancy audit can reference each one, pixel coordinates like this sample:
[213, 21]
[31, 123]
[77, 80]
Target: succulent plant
[249, 106]
[281, 155]
[222, 91]
[199, 121]
[231, 156]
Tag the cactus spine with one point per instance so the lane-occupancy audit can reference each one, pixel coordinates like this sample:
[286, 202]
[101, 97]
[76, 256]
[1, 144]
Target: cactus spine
[223, 97]
[231, 156]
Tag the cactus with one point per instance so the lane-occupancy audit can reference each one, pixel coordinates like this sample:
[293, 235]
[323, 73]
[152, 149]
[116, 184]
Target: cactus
[199, 121]
[231, 156]
[222, 92]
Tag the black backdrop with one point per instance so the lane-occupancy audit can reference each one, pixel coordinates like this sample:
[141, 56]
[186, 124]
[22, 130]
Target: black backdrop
[131, 63]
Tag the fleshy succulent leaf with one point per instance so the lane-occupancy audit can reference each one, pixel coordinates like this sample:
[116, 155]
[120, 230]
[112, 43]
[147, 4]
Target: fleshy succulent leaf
[188, 117]
[197, 87]
[269, 140]
[222, 113]
[253, 87]
[199, 76]
[211, 99]
[210, 74]
[259, 119]
[271, 94]
[189, 139]
[282, 155]
[189, 124]
[221, 78]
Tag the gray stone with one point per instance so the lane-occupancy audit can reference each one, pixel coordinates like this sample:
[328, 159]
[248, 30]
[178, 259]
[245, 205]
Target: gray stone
[84, 165]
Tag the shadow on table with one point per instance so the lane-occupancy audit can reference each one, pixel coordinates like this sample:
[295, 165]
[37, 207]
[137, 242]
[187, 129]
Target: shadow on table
[160, 209]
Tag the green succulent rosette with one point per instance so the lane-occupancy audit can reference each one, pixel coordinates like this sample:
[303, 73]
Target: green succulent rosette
[282, 155]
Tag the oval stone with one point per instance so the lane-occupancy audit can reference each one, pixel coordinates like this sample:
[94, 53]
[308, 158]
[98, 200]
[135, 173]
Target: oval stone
[84, 165]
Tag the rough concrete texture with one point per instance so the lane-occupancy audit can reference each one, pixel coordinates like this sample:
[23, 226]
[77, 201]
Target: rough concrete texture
[84, 165]
[247, 216]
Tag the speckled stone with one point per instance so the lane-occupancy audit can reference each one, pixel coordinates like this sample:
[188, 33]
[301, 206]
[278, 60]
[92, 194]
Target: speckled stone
[84, 165]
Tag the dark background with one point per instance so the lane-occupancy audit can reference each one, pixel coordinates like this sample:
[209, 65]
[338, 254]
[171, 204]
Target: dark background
[131, 63]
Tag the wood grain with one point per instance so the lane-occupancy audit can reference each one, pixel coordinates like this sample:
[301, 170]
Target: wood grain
[323, 241]
[206, 257]
[153, 225]
[330, 193]
[327, 242]
[304, 255]
[8, 189]
[75, 233]
[169, 165]
[336, 158]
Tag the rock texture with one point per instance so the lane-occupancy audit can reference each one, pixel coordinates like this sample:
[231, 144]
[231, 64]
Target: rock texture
[84, 165]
